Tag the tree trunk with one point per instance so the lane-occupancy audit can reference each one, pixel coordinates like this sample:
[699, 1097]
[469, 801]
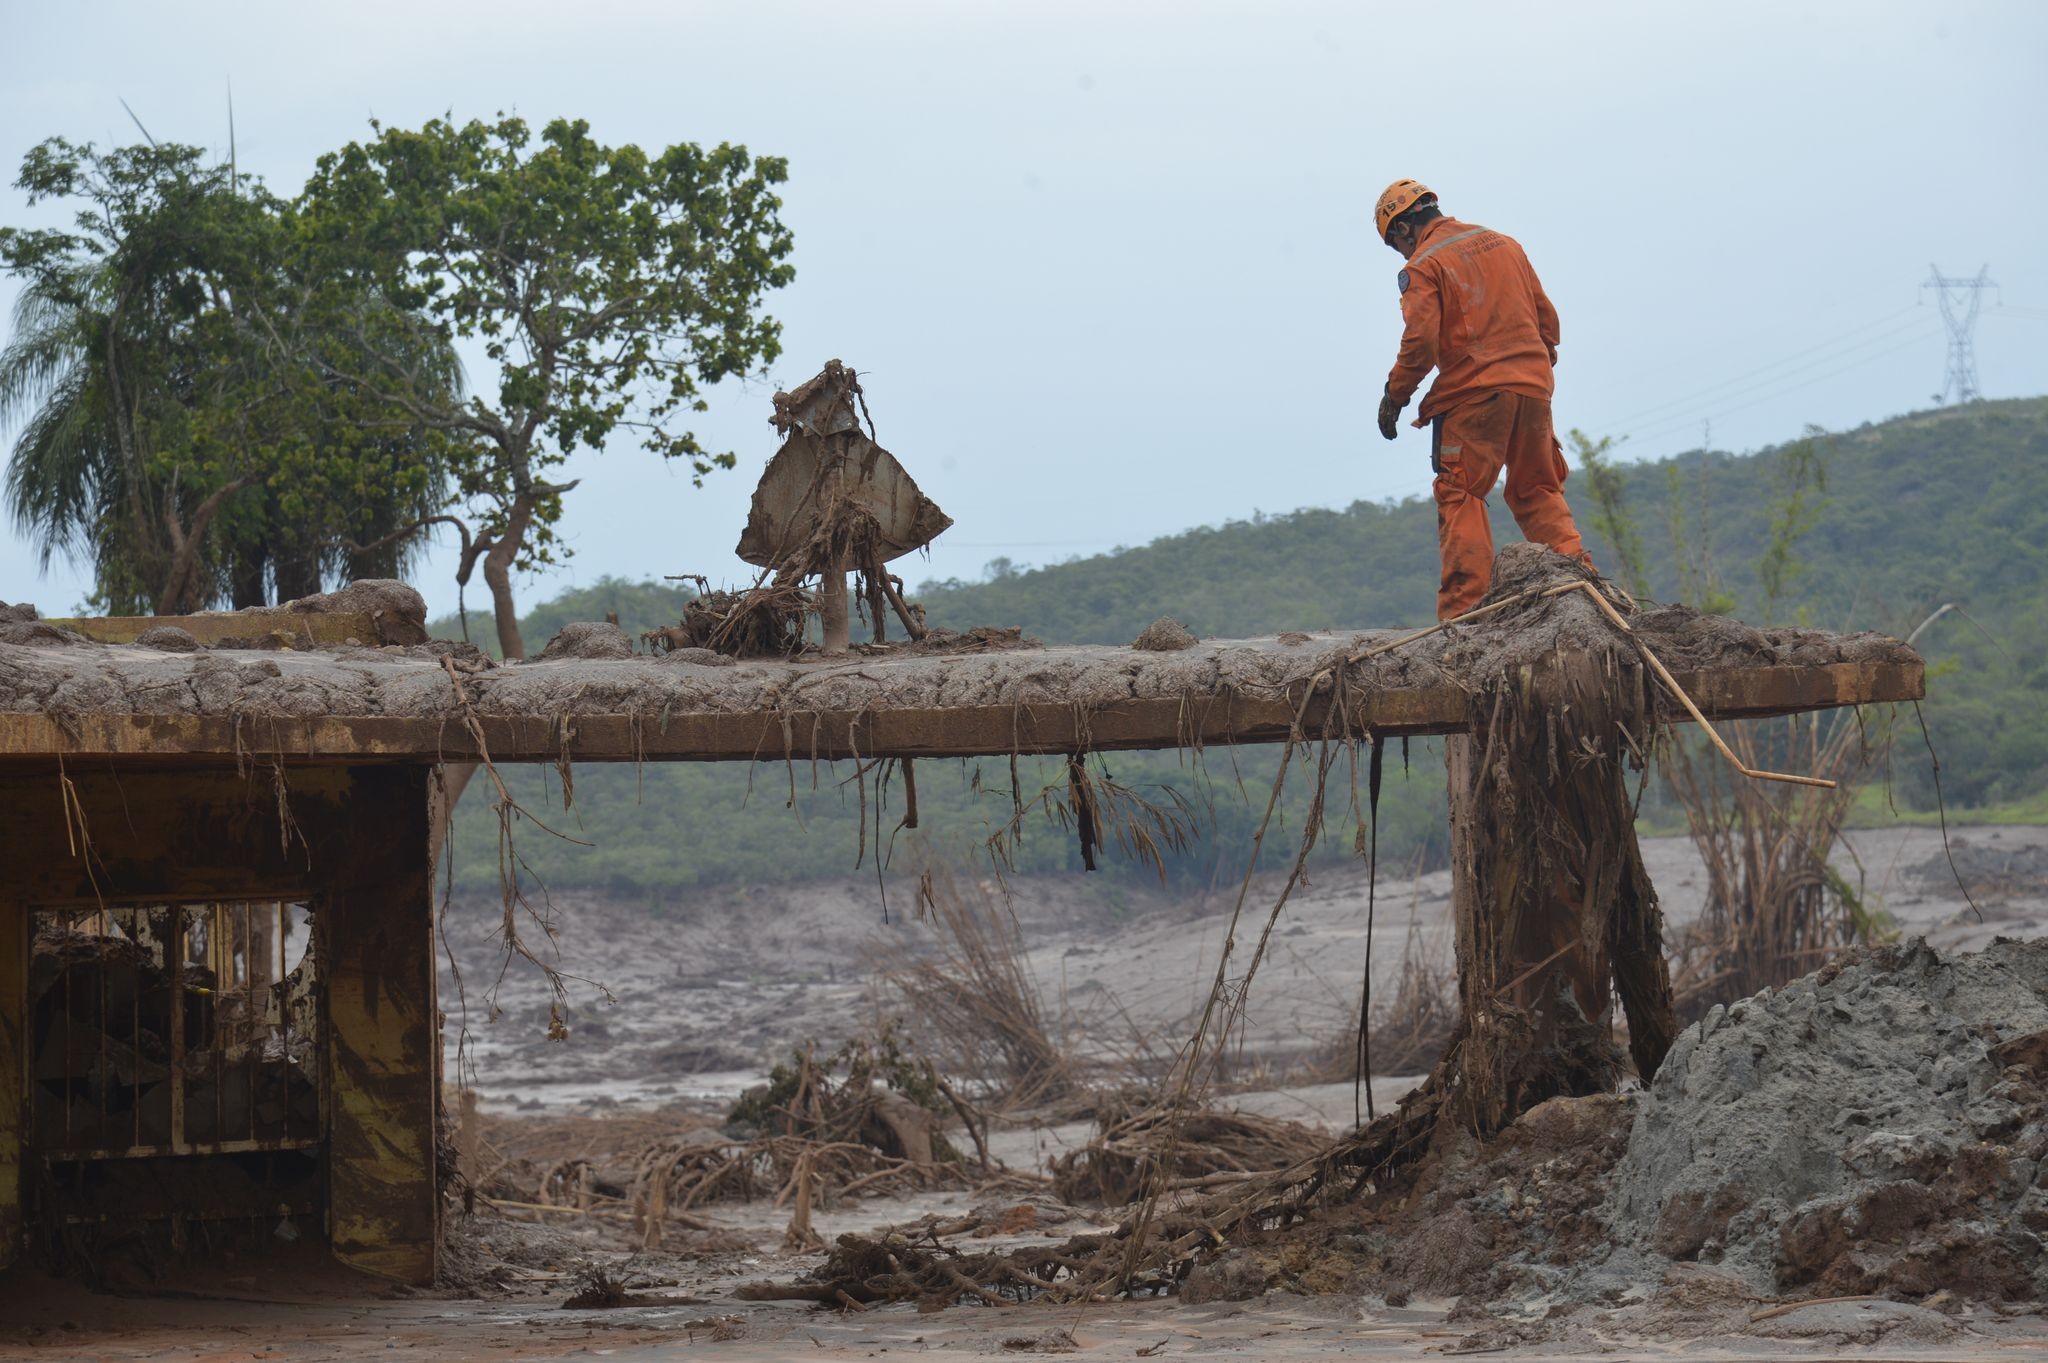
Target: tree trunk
[1549, 895]
[183, 588]
[247, 575]
[498, 575]
[297, 572]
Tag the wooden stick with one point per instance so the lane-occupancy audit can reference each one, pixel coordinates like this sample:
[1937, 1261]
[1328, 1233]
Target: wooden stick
[1671, 683]
[1786, 1308]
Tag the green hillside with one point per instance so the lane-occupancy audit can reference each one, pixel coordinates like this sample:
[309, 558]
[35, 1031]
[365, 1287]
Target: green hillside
[1925, 510]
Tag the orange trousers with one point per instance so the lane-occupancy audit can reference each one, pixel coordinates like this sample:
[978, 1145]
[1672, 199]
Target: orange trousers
[1469, 445]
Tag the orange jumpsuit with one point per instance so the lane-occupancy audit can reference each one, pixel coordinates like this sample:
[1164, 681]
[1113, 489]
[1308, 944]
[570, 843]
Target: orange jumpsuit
[1476, 313]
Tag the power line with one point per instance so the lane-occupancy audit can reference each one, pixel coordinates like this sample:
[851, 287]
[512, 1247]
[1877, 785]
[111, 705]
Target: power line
[1776, 391]
[1824, 352]
[1960, 381]
[1688, 412]
[1741, 379]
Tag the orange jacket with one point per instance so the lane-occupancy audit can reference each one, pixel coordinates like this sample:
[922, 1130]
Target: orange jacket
[1476, 313]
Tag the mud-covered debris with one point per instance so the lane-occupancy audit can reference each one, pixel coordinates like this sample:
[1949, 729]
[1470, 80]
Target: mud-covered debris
[1209, 1148]
[757, 622]
[167, 639]
[36, 634]
[980, 639]
[608, 1287]
[1053, 1341]
[16, 615]
[702, 657]
[1294, 638]
[588, 639]
[1164, 635]
[400, 612]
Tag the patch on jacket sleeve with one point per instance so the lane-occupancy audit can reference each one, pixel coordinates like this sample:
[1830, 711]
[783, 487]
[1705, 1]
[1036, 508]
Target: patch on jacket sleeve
[1402, 280]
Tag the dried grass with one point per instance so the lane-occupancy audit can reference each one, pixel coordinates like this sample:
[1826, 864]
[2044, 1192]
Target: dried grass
[1211, 1148]
[1776, 906]
[977, 999]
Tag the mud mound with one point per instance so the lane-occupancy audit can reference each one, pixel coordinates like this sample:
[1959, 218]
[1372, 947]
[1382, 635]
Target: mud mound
[400, 612]
[1681, 636]
[1989, 871]
[1164, 635]
[588, 639]
[167, 639]
[1880, 1127]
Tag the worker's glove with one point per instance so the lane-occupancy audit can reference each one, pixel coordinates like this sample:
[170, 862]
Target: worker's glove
[1390, 415]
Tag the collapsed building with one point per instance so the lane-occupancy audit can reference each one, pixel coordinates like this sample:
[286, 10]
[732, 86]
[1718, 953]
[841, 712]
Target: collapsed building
[217, 984]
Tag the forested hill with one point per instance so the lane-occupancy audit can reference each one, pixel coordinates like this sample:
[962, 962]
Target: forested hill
[1934, 507]
[1925, 510]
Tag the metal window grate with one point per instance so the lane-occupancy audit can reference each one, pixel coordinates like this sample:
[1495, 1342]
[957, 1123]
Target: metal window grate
[174, 1028]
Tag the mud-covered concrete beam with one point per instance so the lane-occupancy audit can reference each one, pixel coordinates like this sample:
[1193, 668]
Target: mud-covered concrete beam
[881, 729]
[590, 698]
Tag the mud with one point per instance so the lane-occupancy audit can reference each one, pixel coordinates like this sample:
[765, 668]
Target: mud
[22, 626]
[1881, 1127]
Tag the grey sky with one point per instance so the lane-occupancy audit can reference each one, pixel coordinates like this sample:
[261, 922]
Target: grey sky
[1108, 268]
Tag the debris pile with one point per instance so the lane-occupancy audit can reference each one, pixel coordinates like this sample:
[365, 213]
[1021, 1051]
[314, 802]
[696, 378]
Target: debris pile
[869, 1120]
[1877, 1129]
[1207, 1149]
[832, 502]
[764, 621]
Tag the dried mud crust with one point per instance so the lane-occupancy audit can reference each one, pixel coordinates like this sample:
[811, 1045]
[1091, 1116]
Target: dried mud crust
[410, 682]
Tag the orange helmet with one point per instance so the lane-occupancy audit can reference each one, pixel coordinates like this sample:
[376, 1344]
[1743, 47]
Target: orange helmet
[1396, 199]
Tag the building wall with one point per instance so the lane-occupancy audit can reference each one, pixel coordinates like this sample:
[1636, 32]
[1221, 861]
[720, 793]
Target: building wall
[353, 842]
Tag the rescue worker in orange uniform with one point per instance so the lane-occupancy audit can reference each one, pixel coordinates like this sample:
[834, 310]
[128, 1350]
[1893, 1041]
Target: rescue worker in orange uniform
[1475, 312]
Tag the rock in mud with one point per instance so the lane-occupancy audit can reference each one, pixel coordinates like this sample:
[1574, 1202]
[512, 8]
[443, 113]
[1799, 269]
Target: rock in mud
[588, 639]
[1164, 635]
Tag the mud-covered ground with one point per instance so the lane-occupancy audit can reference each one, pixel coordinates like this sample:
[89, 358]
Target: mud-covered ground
[709, 990]
[713, 986]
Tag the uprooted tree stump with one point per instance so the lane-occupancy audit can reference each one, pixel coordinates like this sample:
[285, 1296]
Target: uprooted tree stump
[1555, 917]
[1549, 896]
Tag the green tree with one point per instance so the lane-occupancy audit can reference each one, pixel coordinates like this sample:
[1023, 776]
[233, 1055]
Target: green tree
[1800, 478]
[159, 440]
[606, 285]
[1611, 519]
[126, 455]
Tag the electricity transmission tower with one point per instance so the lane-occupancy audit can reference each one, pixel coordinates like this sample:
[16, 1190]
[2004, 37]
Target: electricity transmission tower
[1959, 384]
